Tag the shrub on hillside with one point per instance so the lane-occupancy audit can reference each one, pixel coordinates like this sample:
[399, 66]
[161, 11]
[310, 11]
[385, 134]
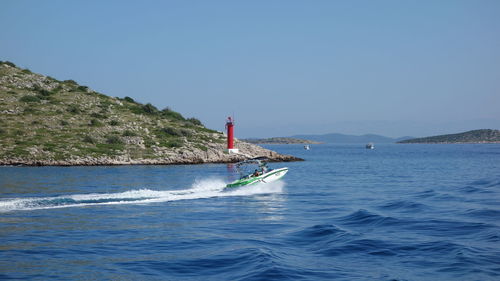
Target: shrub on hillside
[73, 109]
[44, 92]
[201, 147]
[98, 115]
[194, 121]
[129, 99]
[186, 132]
[149, 108]
[8, 63]
[104, 105]
[148, 142]
[29, 99]
[174, 143]
[167, 112]
[172, 131]
[114, 140]
[114, 123]
[171, 143]
[89, 139]
[128, 133]
[29, 109]
[83, 88]
[57, 89]
[175, 132]
[95, 123]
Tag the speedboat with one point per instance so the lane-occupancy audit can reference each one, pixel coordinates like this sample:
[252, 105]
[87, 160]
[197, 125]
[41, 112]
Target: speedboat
[262, 174]
[370, 146]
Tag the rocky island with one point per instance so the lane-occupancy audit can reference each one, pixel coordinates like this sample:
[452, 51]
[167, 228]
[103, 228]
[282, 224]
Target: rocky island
[474, 136]
[44, 121]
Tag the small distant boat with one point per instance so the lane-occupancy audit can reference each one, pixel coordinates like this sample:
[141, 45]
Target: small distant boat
[370, 146]
[306, 147]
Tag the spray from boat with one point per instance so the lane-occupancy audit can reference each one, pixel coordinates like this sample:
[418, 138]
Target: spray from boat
[201, 189]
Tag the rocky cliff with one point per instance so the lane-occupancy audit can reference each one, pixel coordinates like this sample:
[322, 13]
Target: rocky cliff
[44, 121]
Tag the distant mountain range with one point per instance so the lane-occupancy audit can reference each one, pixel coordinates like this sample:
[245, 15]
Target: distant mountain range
[474, 136]
[280, 141]
[341, 138]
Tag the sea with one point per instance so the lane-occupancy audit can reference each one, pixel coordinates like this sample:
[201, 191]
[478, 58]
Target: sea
[397, 212]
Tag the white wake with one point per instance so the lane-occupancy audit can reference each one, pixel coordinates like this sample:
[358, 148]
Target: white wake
[207, 188]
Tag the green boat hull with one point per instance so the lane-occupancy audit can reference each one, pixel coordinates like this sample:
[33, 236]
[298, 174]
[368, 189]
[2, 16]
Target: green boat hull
[267, 177]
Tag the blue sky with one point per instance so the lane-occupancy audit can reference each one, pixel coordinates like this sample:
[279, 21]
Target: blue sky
[281, 67]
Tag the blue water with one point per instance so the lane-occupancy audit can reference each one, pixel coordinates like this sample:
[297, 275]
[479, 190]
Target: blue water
[399, 212]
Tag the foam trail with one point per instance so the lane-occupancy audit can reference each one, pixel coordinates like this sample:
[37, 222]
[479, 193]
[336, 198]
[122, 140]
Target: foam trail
[200, 189]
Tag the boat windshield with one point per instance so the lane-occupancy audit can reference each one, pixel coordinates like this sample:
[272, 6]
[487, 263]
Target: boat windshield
[248, 167]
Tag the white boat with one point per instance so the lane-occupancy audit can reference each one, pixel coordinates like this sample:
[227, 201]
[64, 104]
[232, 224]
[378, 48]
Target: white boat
[370, 146]
[306, 147]
[262, 174]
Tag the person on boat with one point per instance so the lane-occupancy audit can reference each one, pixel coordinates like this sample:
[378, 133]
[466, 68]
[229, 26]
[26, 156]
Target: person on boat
[256, 173]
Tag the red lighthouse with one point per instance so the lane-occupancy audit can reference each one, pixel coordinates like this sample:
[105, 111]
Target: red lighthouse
[230, 136]
[230, 133]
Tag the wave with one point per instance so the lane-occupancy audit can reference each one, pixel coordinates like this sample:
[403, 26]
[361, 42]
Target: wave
[364, 218]
[200, 189]
[242, 263]
[481, 186]
[484, 213]
[404, 205]
[426, 194]
[319, 235]
[487, 182]
[461, 258]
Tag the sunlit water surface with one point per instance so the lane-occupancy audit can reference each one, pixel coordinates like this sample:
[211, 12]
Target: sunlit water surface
[398, 212]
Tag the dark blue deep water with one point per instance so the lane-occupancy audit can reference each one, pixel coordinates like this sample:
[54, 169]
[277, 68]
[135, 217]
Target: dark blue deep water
[399, 212]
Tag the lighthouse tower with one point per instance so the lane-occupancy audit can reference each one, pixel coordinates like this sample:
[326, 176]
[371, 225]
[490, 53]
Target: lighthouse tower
[230, 136]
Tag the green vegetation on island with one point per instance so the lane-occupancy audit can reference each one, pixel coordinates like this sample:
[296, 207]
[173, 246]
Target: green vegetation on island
[44, 121]
[475, 136]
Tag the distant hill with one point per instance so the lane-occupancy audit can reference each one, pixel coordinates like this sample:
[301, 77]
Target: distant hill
[280, 140]
[341, 138]
[44, 121]
[475, 136]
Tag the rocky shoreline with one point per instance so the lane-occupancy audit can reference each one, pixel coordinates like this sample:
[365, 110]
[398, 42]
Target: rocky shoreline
[186, 156]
